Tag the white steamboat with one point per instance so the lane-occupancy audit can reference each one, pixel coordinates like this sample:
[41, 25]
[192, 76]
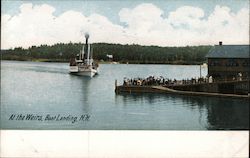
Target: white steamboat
[83, 64]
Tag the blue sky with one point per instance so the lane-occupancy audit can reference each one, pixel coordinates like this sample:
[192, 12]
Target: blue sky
[118, 14]
[110, 8]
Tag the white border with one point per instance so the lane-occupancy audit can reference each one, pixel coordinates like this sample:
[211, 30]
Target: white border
[117, 144]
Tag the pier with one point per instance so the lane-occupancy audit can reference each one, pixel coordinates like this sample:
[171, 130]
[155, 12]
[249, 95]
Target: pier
[238, 88]
[228, 76]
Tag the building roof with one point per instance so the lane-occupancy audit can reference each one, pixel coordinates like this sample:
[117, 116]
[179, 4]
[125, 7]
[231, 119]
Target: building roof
[229, 51]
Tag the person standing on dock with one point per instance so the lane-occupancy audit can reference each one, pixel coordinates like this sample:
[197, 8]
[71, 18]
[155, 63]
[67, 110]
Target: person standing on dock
[240, 76]
[210, 79]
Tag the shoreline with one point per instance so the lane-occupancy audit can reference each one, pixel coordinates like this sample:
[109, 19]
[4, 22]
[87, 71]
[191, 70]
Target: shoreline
[109, 62]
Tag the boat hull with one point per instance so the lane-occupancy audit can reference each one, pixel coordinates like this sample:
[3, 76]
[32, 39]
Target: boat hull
[83, 72]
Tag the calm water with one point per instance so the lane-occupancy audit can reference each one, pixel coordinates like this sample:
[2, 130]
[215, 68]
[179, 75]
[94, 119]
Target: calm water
[42, 89]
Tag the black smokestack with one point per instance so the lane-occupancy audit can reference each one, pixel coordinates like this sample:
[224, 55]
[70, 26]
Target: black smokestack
[220, 43]
[86, 45]
[87, 38]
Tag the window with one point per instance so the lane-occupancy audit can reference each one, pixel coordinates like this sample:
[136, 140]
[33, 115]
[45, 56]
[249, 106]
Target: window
[245, 63]
[232, 62]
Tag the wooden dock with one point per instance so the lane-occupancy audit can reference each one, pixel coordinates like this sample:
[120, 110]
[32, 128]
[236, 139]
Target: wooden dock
[162, 89]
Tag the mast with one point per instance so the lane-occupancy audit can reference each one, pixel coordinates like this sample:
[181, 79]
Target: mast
[91, 53]
[80, 57]
[82, 53]
[88, 54]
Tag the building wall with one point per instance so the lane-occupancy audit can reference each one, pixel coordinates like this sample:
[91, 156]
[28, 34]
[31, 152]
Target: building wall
[227, 68]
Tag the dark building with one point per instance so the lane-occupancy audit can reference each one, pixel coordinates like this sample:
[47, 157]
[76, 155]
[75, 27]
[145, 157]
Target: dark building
[227, 62]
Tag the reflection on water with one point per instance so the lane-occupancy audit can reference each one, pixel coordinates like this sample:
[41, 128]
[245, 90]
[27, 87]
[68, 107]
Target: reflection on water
[83, 88]
[221, 113]
[48, 88]
[228, 114]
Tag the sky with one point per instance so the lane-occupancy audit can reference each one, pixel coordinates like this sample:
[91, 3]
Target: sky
[144, 22]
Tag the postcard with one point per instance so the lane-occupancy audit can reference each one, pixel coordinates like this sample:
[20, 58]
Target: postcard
[139, 66]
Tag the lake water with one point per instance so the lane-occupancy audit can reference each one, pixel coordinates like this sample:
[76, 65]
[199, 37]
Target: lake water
[47, 90]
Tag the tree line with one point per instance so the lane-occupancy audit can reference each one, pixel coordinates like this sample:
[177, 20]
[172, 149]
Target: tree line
[121, 53]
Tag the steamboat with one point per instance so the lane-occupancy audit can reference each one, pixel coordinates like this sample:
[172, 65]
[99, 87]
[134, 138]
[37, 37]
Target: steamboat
[83, 64]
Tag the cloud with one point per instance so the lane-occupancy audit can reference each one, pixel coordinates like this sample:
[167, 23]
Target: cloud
[141, 18]
[144, 24]
[190, 17]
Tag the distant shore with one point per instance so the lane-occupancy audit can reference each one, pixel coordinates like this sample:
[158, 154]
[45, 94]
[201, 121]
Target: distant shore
[111, 53]
[110, 62]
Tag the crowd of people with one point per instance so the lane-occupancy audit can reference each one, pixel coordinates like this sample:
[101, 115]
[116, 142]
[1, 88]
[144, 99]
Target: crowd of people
[156, 81]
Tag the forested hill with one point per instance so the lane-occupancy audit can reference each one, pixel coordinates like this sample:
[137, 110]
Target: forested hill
[121, 53]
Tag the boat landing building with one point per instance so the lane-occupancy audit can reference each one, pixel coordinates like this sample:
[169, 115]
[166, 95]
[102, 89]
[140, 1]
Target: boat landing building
[226, 62]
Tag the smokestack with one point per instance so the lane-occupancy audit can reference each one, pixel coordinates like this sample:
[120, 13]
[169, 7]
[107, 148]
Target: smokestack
[220, 43]
[86, 46]
[87, 37]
